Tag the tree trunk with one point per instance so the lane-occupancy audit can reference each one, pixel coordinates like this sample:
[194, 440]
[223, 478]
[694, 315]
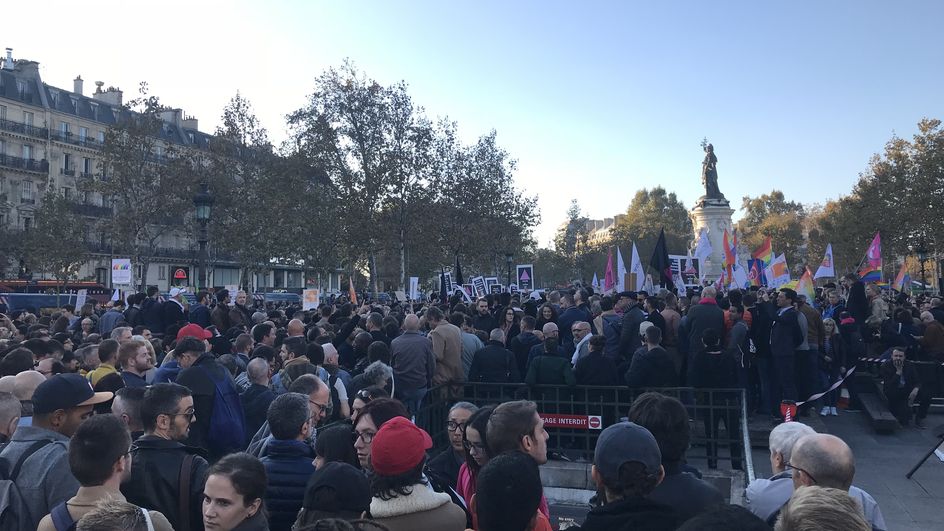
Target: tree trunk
[402, 260]
[372, 266]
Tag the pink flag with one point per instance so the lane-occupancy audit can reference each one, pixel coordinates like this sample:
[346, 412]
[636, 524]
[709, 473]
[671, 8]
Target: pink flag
[609, 282]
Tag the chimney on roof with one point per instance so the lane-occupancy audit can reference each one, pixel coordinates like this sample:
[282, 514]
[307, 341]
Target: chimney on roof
[111, 95]
[77, 85]
[189, 122]
[8, 62]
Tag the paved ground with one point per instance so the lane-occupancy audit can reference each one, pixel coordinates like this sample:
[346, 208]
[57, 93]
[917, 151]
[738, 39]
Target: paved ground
[882, 461]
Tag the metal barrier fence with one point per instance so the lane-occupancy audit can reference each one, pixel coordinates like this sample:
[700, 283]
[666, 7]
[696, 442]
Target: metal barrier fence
[709, 410]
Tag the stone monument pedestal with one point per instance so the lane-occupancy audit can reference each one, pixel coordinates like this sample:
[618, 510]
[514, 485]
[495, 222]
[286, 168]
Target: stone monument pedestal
[714, 215]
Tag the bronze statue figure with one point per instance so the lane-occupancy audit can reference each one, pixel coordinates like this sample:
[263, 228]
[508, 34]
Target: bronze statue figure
[709, 174]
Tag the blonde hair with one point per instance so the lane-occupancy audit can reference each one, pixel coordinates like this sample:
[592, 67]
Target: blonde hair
[822, 509]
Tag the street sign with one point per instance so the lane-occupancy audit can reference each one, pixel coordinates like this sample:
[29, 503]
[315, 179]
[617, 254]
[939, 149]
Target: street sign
[577, 422]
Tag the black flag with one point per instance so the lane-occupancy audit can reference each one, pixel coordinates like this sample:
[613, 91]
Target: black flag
[442, 286]
[458, 275]
[660, 262]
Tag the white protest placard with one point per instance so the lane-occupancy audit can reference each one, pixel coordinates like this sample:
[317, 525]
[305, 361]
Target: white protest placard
[233, 289]
[463, 293]
[415, 287]
[80, 297]
[311, 299]
[121, 271]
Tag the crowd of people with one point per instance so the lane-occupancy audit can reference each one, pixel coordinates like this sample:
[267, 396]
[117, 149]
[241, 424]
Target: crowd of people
[154, 413]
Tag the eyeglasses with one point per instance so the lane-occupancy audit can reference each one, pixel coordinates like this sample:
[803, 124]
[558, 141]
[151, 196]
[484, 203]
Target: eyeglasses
[326, 408]
[473, 447]
[365, 436]
[798, 469]
[453, 425]
[189, 414]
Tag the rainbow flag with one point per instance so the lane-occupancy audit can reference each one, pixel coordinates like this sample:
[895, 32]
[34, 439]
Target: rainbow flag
[729, 258]
[804, 286]
[903, 279]
[871, 270]
[765, 252]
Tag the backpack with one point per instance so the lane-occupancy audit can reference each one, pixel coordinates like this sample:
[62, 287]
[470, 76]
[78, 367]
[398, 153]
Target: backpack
[63, 521]
[13, 509]
[227, 424]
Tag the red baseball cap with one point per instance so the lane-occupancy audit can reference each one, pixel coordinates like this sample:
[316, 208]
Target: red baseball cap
[193, 330]
[398, 447]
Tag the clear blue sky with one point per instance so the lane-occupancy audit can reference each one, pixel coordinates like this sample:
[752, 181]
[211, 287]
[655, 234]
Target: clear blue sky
[594, 99]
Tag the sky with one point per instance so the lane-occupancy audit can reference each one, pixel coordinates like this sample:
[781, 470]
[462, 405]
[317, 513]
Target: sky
[595, 100]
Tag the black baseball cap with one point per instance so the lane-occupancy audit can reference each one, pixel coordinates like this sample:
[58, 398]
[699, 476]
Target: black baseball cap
[626, 442]
[66, 391]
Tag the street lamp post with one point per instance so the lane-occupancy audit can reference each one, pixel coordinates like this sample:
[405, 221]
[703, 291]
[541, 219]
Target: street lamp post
[922, 257]
[203, 202]
[508, 259]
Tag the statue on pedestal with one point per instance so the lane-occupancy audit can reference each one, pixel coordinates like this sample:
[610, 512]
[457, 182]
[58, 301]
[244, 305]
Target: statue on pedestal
[709, 179]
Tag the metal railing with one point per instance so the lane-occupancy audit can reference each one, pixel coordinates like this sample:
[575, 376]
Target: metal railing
[38, 166]
[708, 410]
[19, 127]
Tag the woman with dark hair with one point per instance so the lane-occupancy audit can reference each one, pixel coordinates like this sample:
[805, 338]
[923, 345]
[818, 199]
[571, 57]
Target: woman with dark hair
[334, 444]
[401, 498]
[365, 396]
[233, 494]
[509, 325]
[547, 314]
[476, 452]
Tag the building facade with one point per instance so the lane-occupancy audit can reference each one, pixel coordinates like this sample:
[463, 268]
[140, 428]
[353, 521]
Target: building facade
[51, 139]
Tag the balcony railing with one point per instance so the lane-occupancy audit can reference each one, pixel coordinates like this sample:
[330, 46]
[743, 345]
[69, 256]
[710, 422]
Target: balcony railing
[67, 171]
[95, 211]
[38, 166]
[27, 200]
[86, 174]
[18, 127]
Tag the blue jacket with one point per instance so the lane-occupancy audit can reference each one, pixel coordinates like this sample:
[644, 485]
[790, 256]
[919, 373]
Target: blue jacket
[166, 373]
[109, 321]
[288, 466]
[568, 318]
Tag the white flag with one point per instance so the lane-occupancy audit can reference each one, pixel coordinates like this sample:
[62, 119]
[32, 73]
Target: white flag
[740, 276]
[596, 284]
[703, 248]
[620, 271]
[635, 266]
[828, 267]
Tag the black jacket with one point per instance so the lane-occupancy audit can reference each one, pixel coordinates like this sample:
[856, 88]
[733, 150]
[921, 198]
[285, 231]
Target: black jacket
[155, 479]
[133, 317]
[653, 368]
[494, 363]
[255, 401]
[714, 369]
[595, 369]
[761, 321]
[288, 466]
[685, 493]
[629, 333]
[485, 323]
[152, 316]
[633, 514]
[445, 466]
[172, 313]
[785, 334]
[204, 394]
[520, 346]
[701, 317]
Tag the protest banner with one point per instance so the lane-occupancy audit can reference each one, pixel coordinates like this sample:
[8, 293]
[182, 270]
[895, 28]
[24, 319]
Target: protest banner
[121, 271]
[478, 286]
[415, 288]
[525, 277]
[311, 299]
